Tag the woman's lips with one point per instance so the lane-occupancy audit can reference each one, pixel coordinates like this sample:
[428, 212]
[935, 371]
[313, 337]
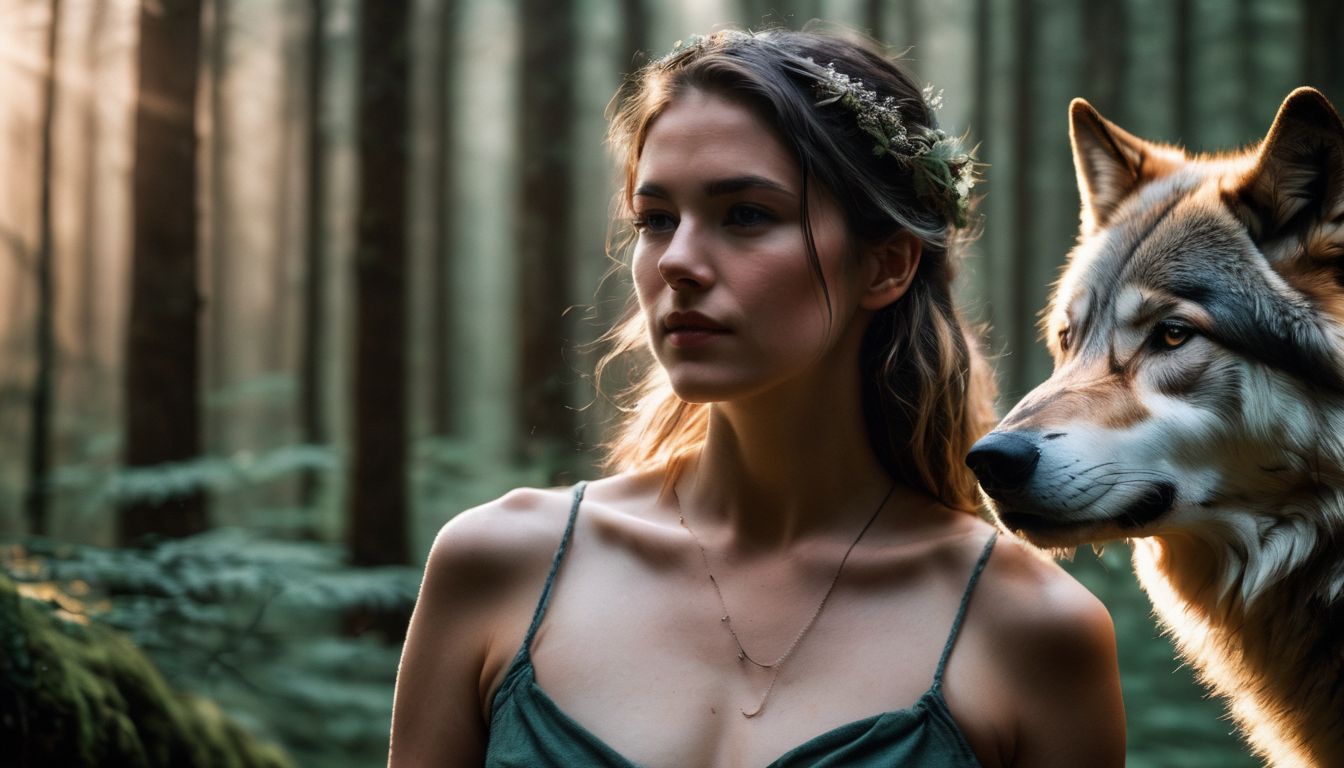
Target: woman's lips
[689, 337]
[686, 330]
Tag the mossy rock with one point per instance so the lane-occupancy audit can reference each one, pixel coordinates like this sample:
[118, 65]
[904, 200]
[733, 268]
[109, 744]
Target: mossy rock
[75, 693]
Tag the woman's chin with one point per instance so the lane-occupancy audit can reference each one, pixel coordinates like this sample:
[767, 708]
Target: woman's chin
[698, 389]
[699, 395]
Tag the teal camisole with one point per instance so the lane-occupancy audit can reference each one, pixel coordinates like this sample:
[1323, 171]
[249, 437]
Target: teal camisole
[529, 730]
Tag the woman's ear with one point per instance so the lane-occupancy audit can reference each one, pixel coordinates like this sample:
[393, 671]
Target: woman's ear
[889, 268]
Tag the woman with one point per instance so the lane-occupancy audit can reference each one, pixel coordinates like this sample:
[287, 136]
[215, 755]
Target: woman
[788, 547]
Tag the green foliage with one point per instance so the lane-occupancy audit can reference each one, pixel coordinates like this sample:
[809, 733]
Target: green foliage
[255, 624]
[78, 693]
[104, 488]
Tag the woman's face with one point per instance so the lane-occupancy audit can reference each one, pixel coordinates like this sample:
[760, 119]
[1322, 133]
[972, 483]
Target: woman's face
[720, 264]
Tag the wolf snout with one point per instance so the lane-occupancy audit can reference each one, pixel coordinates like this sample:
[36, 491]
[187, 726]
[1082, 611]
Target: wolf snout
[1003, 461]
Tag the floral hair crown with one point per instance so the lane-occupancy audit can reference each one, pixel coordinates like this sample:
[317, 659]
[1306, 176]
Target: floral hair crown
[942, 170]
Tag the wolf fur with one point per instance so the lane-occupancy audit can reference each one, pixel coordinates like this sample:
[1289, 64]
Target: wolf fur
[1197, 407]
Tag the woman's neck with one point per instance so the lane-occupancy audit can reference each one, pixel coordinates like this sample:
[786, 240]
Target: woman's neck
[781, 467]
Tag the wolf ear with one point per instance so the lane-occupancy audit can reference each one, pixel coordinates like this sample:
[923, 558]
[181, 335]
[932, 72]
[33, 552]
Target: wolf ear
[1299, 168]
[1110, 163]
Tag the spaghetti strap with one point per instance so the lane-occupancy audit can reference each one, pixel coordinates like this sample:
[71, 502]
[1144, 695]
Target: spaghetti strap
[555, 567]
[961, 609]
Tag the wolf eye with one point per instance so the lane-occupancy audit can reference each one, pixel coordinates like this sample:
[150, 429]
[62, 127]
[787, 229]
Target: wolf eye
[1065, 336]
[1170, 335]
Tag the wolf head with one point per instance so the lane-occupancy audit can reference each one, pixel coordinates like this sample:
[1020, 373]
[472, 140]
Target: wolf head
[1198, 339]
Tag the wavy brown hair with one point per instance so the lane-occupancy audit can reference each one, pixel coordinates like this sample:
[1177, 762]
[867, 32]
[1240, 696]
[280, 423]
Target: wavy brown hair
[928, 392]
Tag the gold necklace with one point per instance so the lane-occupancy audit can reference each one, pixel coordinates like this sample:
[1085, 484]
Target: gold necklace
[727, 619]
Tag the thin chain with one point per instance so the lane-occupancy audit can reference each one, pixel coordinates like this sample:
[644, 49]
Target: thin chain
[727, 618]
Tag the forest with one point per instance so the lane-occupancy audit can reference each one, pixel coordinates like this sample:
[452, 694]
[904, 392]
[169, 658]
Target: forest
[286, 284]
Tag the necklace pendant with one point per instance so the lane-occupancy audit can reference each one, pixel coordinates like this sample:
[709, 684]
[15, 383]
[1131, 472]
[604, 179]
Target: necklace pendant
[741, 655]
[725, 617]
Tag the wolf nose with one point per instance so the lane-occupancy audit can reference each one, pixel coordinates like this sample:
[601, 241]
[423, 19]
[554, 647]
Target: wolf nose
[1003, 461]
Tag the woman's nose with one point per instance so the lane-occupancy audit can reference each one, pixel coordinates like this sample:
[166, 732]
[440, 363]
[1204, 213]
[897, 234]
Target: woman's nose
[685, 264]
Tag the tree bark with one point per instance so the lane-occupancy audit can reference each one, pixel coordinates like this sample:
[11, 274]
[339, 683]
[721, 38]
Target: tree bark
[44, 381]
[162, 366]
[312, 424]
[545, 234]
[378, 516]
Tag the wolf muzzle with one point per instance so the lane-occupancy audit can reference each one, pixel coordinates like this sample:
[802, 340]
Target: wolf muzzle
[1003, 461]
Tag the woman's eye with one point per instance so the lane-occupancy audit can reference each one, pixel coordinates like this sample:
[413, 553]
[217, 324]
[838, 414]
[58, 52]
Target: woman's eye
[747, 216]
[654, 222]
[1171, 334]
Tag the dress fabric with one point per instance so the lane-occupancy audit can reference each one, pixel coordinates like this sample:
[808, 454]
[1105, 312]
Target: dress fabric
[529, 730]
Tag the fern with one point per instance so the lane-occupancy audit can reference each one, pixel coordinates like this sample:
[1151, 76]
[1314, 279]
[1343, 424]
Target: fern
[253, 623]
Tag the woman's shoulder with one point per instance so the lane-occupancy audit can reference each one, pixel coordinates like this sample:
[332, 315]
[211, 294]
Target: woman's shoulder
[515, 537]
[1044, 651]
[1030, 596]
[1050, 638]
[515, 532]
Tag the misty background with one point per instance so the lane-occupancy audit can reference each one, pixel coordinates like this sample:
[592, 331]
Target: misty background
[285, 284]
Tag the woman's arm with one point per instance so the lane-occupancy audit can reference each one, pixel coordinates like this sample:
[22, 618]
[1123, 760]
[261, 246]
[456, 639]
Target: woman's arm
[437, 713]
[1034, 679]
[1064, 669]
[482, 580]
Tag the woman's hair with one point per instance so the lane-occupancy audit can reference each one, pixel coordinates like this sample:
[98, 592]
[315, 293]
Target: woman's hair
[927, 390]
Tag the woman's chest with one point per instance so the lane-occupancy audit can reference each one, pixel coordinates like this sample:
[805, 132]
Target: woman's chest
[663, 665]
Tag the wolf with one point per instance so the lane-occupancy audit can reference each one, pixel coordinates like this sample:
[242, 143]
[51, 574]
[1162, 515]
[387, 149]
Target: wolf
[1196, 407]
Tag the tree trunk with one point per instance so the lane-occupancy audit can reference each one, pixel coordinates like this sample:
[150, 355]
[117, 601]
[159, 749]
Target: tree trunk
[312, 425]
[1022, 334]
[162, 397]
[545, 235]
[39, 435]
[874, 18]
[378, 516]
[220, 216]
[291, 112]
[1181, 92]
[90, 370]
[912, 25]
[443, 397]
[635, 33]
[1247, 72]
[1106, 65]
[1323, 48]
[980, 106]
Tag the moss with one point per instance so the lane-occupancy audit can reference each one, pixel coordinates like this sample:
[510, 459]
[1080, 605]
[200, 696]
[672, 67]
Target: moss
[75, 693]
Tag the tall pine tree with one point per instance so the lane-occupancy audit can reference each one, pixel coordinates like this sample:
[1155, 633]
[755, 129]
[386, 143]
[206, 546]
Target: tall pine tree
[162, 342]
[377, 532]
